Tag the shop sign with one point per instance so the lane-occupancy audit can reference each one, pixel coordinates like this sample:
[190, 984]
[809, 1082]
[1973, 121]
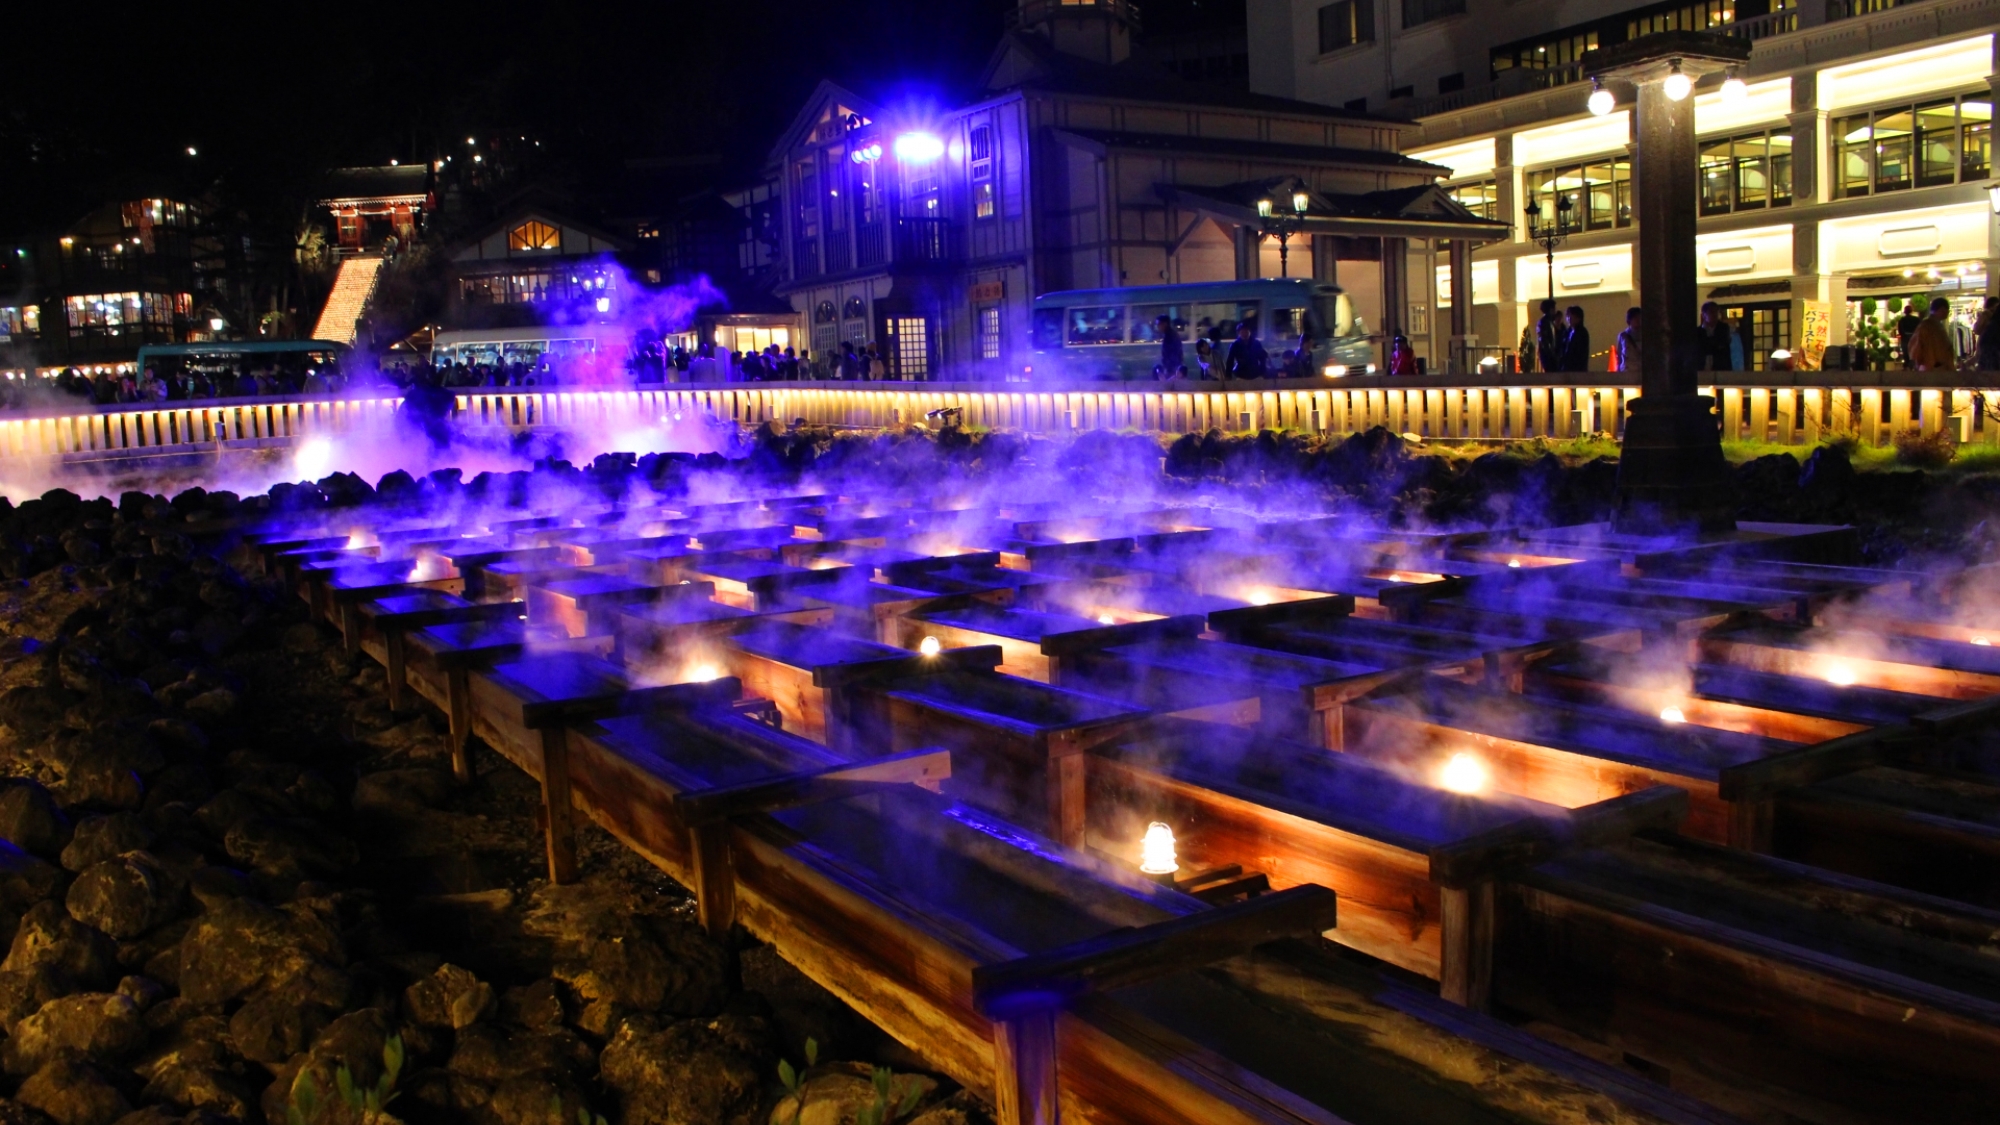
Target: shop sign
[1815, 323]
[988, 292]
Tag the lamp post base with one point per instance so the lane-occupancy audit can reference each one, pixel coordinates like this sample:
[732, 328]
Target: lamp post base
[1671, 474]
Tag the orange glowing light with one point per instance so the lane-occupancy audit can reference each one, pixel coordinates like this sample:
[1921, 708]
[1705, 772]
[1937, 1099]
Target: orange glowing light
[1982, 642]
[1672, 715]
[930, 646]
[1156, 851]
[1463, 773]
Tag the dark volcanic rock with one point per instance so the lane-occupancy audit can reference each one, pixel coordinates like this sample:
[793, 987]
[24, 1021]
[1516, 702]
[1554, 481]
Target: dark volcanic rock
[49, 938]
[73, 1093]
[99, 838]
[104, 1026]
[126, 896]
[678, 1076]
[242, 945]
[450, 998]
[31, 820]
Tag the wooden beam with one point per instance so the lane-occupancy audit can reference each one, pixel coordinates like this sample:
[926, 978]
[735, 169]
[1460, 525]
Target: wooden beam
[807, 787]
[972, 658]
[1131, 633]
[1523, 843]
[1134, 955]
[1024, 1070]
[1765, 777]
[1240, 622]
[1466, 976]
[714, 877]
[539, 714]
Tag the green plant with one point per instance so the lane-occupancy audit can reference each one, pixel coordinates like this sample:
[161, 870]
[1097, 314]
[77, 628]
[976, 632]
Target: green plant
[306, 1105]
[795, 1080]
[883, 1111]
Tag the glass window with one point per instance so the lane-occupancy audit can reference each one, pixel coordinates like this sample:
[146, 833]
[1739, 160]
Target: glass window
[989, 332]
[1750, 163]
[1287, 325]
[1976, 139]
[1345, 23]
[1481, 197]
[1599, 195]
[1049, 328]
[1781, 169]
[1857, 156]
[1904, 146]
[1937, 144]
[1715, 178]
[1417, 12]
[980, 151]
[1103, 324]
[533, 235]
[1145, 321]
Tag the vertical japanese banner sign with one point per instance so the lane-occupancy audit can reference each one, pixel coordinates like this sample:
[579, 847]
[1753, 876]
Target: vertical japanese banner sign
[1815, 321]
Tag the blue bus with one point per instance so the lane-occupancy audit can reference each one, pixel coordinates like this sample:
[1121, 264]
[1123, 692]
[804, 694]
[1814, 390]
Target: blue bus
[1114, 333]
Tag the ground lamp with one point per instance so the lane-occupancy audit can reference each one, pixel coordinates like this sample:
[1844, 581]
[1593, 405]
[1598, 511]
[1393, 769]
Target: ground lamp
[1273, 222]
[1671, 475]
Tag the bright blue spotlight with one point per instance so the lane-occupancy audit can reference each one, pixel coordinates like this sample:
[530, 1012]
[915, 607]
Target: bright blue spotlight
[918, 148]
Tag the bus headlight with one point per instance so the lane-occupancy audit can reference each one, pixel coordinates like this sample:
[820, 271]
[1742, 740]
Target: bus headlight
[1335, 370]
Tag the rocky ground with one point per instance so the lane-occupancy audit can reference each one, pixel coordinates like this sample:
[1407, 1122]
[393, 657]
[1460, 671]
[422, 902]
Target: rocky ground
[234, 887]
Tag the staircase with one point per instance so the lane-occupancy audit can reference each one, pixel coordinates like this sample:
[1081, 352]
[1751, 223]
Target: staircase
[351, 289]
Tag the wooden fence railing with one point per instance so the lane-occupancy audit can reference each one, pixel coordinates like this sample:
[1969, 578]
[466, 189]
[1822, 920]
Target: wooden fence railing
[1786, 408]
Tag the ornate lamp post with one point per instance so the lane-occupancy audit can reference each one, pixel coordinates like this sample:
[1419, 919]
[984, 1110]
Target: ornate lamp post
[1549, 235]
[1272, 222]
[1671, 475]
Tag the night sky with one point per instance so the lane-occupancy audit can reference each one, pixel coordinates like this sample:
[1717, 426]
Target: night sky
[98, 103]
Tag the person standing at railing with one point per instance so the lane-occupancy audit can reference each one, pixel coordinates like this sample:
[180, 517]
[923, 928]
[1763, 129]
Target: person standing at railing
[1987, 328]
[1626, 348]
[1247, 357]
[1717, 339]
[1906, 332]
[1575, 341]
[1548, 336]
[1930, 344]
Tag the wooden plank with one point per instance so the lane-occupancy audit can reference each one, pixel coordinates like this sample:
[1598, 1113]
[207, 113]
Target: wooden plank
[558, 816]
[918, 767]
[1132, 956]
[1750, 781]
[1465, 972]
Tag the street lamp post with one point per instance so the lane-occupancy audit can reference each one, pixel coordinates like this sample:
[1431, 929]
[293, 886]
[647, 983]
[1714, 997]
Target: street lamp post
[1272, 222]
[1549, 235]
[1671, 473]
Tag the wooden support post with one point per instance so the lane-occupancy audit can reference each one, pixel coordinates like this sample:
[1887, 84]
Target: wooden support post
[1067, 775]
[1750, 822]
[350, 627]
[558, 812]
[396, 656]
[1466, 962]
[458, 707]
[1024, 1070]
[714, 878]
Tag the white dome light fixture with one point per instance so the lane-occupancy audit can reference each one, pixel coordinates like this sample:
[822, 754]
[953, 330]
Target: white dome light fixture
[1601, 102]
[1678, 85]
[1733, 88]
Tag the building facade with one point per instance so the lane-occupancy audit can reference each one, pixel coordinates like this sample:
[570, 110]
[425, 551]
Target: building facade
[1850, 174]
[127, 274]
[928, 232]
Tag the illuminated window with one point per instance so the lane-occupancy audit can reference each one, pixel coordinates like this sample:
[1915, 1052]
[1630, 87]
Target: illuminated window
[1747, 173]
[1481, 197]
[534, 235]
[1346, 23]
[980, 150]
[1599, 193]
[989, 332]
[1930, 145]
[854, 309]
[913, 346]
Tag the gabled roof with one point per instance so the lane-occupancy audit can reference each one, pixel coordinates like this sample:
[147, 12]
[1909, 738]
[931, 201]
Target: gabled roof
[1425, 211]
[388, 181]
[515, 216]
[807, 119]
[1028, 62]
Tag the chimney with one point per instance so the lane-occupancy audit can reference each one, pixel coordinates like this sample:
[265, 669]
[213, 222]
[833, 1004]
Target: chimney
[1097, 30]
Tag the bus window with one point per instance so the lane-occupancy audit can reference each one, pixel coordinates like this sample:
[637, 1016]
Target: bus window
[1104, 324]
[1217, 320]
[1287, 325]
[1048, 328]
[1146, 321]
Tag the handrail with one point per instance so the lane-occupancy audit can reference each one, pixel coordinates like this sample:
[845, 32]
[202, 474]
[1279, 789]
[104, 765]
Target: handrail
[1786, 407]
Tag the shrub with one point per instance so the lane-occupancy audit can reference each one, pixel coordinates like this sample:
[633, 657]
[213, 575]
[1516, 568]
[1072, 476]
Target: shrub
[1934, 451]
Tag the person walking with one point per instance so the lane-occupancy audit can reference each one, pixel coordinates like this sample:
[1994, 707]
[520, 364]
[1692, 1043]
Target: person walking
[1575, 341]
[1987, 328]
[1625, 349]
[1716, 339]
[1930, 344]
[1247, 358]
[1906, 332]
[1548, 336]
[1402, 358]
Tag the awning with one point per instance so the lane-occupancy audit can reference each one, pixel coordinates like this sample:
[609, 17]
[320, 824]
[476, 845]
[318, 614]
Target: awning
[1418, 212]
